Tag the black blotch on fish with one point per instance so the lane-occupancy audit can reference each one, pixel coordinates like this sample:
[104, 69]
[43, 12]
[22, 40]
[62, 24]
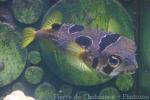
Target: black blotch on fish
[83, 41]
[76, 28]
[56, 26]
[106, 41]
[108, 69]
[95, 62]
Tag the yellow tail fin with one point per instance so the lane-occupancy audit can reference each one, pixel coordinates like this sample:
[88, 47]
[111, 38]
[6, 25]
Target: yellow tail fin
[29, 36]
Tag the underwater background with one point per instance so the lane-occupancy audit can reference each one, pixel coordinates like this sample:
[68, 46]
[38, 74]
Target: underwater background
[30, 69]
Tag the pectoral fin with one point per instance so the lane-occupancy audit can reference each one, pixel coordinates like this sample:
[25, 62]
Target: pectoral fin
[75, 49]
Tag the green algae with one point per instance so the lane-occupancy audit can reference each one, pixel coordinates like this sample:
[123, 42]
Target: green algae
[12, 57]
[34, 75]
[45, 91]
[34, 57]
[27, 11]
[109, 93]
[124, 82]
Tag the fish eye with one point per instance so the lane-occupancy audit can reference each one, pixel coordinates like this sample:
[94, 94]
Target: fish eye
[56, 26]
[114, 61]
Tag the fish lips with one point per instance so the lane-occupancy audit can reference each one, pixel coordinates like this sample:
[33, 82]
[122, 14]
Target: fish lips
[130, 67]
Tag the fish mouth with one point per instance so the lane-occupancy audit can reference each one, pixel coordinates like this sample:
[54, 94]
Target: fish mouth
[129, 72]
[132, 70]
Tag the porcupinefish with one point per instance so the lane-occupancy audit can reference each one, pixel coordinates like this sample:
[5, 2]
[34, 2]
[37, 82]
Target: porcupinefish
[108, 53]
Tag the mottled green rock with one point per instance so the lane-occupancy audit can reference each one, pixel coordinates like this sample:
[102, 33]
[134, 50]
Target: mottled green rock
[109, 93]
[12, 57]
[65, 90]
[34, 57]
[124, 82]
[82, 95]
[45, 91]
[27, 11]
[107, 15]
[34, 75]
[18, 86]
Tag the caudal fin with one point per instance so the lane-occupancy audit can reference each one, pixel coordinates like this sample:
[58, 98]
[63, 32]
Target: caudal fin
[29, 36]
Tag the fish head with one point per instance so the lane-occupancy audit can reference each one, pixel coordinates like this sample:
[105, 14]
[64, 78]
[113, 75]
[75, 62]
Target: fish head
[118, 57]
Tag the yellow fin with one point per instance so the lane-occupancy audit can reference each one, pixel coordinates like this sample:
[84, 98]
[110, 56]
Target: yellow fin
[29, 36]
[75, 49]
[55, 17]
